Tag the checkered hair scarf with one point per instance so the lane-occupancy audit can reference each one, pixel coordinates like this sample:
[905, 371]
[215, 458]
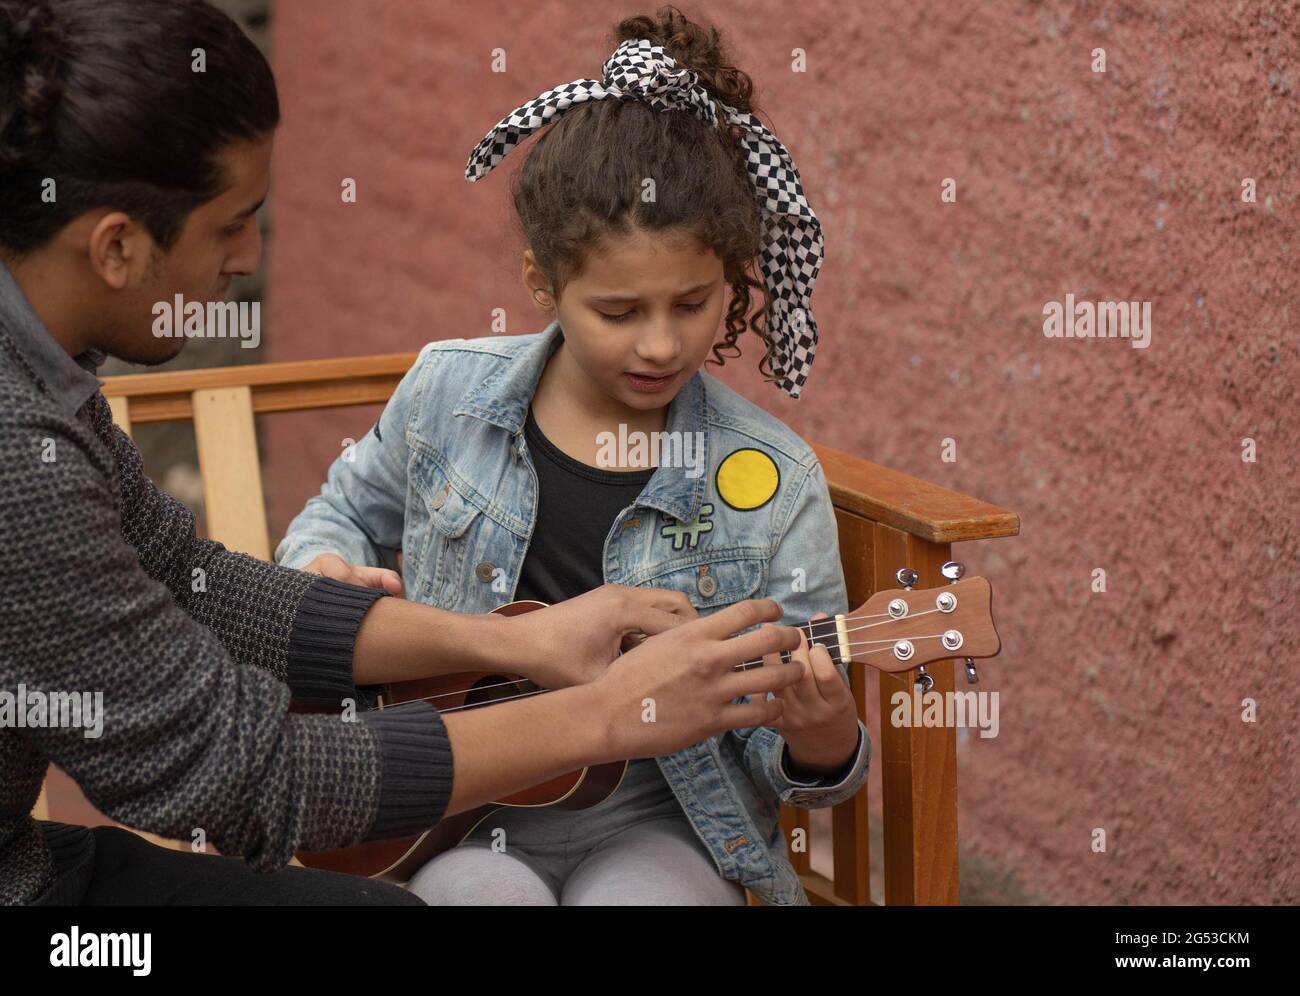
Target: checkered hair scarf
[792, 236]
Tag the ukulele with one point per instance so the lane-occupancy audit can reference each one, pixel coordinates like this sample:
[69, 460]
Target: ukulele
[896, 630]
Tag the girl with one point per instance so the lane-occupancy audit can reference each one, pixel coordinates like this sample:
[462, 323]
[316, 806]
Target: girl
[597, 451]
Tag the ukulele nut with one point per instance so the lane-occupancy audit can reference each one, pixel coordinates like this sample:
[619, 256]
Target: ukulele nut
[898, 608]
[946, 601]
[952, 639]
[904, 650]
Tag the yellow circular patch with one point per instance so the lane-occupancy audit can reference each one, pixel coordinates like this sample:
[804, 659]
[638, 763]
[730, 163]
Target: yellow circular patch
[747, 479]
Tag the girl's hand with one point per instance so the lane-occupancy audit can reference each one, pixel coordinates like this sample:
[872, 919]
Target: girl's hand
[331, 565]
[819, 721]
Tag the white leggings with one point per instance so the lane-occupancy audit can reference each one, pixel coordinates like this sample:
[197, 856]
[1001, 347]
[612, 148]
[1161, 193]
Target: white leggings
[659, 862]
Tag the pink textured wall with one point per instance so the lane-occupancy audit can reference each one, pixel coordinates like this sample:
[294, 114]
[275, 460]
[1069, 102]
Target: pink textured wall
[1119, 710]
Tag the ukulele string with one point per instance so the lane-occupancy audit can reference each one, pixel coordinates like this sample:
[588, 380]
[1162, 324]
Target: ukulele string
[831, 627]
[538, 691]
[517, 681]
[850, 644]
[747, 665]
[472, 705]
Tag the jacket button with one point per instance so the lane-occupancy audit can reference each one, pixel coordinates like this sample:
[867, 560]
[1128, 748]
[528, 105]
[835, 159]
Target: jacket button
[706, 585]
[439, 499]
[485, 571]
[734, 843]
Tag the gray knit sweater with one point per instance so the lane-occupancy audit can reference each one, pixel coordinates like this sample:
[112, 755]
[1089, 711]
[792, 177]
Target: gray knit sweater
[104, 588]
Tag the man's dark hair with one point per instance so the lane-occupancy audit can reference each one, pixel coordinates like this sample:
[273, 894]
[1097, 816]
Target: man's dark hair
[102, 97]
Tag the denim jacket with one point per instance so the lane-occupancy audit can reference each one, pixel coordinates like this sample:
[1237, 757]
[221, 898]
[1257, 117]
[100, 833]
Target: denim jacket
[445, 476]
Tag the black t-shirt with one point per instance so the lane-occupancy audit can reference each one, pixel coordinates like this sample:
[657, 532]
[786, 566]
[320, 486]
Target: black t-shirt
[576, 505]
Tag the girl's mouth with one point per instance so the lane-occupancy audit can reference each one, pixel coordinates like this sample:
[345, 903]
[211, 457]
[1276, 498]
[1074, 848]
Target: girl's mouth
[648, 384]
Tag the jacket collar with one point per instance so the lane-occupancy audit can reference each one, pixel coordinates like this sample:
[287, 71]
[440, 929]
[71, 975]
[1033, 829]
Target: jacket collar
[70, 382]
[503, 398]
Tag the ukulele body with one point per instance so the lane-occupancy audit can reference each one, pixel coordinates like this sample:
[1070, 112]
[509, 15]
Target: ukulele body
[397, 859]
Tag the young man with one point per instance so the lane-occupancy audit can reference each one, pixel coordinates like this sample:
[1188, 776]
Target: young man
[125, 181]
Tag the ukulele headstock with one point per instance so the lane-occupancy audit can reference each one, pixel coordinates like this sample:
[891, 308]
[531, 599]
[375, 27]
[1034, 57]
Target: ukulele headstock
[906, 628]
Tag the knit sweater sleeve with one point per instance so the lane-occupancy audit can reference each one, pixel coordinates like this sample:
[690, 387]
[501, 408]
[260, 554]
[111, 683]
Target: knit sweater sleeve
[187, 740]
[299, 627]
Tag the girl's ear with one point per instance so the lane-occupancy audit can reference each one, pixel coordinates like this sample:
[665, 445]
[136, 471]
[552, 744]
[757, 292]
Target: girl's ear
[536, 282]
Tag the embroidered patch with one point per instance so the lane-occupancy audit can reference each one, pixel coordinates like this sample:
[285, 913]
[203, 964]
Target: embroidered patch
[747, 479]
[687, 534]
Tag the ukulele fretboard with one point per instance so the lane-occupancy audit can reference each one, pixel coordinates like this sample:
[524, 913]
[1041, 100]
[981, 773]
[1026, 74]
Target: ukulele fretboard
[823, 631]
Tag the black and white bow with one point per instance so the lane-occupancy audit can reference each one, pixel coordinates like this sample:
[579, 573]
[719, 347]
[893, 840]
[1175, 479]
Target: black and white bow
[792, 246]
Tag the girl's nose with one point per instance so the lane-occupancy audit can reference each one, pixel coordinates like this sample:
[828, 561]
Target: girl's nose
[659, 344]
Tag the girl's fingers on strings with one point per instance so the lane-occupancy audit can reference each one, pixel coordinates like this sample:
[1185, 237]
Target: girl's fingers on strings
[823, 672]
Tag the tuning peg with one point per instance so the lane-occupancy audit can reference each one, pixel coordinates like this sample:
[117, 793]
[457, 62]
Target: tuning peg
[953, 570]
[972, 677]
[907, 577]
[923, 679]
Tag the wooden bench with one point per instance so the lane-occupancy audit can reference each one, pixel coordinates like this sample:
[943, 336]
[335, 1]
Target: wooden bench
[887, 520]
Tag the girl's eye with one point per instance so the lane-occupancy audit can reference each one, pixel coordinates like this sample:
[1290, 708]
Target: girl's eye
[693, 309]
[235, 229]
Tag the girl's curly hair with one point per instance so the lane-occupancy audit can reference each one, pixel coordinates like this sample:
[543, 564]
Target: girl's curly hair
[583, 178]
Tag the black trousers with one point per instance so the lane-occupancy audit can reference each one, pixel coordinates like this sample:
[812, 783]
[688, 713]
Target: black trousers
[109, 866]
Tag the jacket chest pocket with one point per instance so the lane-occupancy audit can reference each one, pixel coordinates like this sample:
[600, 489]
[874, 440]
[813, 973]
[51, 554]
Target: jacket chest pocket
[442, 526]
[715, 584]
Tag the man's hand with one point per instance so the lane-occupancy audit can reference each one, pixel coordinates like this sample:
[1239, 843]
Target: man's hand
[331, 565]
[573, 642]
[678, 687]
